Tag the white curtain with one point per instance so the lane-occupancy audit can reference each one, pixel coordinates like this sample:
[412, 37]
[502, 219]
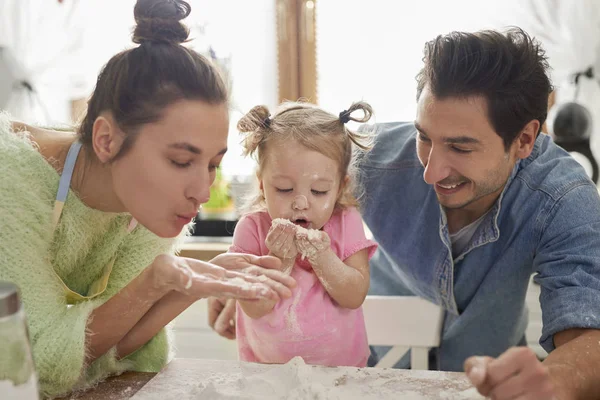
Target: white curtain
[42, 36]
[570, 33]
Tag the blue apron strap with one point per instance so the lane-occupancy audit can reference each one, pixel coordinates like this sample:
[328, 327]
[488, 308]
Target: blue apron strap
[99, 286]
[65, 182]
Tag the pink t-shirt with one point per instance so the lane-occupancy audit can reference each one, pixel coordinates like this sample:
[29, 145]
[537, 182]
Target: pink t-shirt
[310, 324]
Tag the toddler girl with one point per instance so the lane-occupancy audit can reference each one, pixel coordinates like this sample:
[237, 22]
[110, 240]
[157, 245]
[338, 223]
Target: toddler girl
[305, 215]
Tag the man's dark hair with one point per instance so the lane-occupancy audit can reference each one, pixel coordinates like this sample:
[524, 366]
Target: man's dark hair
[510, 70]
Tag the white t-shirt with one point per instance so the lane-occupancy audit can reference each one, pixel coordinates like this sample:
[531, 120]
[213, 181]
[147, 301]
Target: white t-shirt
[462, 238]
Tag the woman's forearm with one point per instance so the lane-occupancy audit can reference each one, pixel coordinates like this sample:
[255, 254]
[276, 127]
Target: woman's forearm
[159, 315]
[166, 288]
[110, 323]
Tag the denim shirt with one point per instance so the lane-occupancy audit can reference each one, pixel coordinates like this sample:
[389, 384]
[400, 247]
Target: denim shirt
[545, 222]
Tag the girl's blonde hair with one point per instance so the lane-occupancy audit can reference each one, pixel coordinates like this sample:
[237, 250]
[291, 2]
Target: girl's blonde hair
[315, 129]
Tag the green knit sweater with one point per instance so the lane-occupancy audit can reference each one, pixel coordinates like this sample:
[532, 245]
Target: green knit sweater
[84, 242]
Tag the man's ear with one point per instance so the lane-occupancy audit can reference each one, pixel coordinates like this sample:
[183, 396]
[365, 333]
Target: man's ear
[107, 138]
[526, 139]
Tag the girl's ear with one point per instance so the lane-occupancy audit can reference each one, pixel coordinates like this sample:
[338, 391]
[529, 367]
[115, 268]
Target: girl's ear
[343, 185]
[260, 182]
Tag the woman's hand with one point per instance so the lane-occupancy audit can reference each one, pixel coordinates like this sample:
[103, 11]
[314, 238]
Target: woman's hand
[243, 279]
[248, 262]
[281, 241]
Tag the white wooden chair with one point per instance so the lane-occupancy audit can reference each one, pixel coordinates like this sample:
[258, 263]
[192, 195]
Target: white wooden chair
[403, 322]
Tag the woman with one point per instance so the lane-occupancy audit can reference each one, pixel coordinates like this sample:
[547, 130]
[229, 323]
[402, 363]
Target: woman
[88, 220]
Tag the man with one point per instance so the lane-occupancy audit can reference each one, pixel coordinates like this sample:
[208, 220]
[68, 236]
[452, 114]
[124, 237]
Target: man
[470, 200]
[484, 202]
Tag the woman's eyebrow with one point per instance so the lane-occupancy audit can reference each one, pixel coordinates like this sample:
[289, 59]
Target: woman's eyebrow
[185, 146]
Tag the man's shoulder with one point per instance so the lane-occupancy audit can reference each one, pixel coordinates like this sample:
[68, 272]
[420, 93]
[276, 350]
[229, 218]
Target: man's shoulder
[552, 170]
[394, 145]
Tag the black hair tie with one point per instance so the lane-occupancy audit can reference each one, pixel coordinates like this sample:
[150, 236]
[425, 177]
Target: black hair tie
[345, 116]
[267, 122]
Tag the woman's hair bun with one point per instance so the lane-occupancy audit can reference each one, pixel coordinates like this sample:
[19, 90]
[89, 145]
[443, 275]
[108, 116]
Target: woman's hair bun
[159, 21]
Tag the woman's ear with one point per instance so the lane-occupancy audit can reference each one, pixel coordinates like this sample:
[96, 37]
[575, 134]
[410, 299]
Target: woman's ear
[107, 138]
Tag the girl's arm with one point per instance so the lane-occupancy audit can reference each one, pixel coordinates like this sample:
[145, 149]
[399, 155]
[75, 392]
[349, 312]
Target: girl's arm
[281, 244]
[347, 282]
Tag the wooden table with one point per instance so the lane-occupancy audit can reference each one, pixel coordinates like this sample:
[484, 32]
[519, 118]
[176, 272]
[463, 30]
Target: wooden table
[204, 249]
[115, 388]
[192, 379]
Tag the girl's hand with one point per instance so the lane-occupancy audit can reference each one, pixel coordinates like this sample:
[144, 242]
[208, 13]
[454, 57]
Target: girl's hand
[200, 279]
[312, 246]
[281, 241]
[221, 316]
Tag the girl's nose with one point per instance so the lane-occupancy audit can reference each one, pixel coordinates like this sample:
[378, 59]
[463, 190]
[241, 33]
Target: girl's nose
[300, 202]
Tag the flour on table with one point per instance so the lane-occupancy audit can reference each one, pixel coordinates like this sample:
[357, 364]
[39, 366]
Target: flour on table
[298, 381]
[291, 381]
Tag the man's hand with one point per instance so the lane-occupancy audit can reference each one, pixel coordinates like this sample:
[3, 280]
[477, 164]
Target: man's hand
[517, 374]
[221, 316]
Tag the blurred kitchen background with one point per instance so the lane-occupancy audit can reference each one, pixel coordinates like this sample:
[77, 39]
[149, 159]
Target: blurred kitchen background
[331, 52]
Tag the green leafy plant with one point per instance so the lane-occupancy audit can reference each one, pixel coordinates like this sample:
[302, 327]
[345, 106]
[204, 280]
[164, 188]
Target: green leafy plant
[219, 194]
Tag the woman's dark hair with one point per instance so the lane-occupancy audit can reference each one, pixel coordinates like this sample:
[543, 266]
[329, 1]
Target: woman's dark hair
[137, 84]
[510, 70]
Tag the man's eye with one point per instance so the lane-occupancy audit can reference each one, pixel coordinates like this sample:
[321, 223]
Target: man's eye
[459, 150]
[423, 138]
[181, 165]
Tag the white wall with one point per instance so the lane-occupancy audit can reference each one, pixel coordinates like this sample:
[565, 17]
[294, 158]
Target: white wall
[79, 36]
[372, 50]
[240, 29]
[366, 50]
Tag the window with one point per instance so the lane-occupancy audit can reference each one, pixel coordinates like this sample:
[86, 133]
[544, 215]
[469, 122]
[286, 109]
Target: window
[372, 50]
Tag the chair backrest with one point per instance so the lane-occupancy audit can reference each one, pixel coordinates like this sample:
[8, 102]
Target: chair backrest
[403, 322]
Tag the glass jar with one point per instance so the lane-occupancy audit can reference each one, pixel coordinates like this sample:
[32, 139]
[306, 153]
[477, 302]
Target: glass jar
[17, 373]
